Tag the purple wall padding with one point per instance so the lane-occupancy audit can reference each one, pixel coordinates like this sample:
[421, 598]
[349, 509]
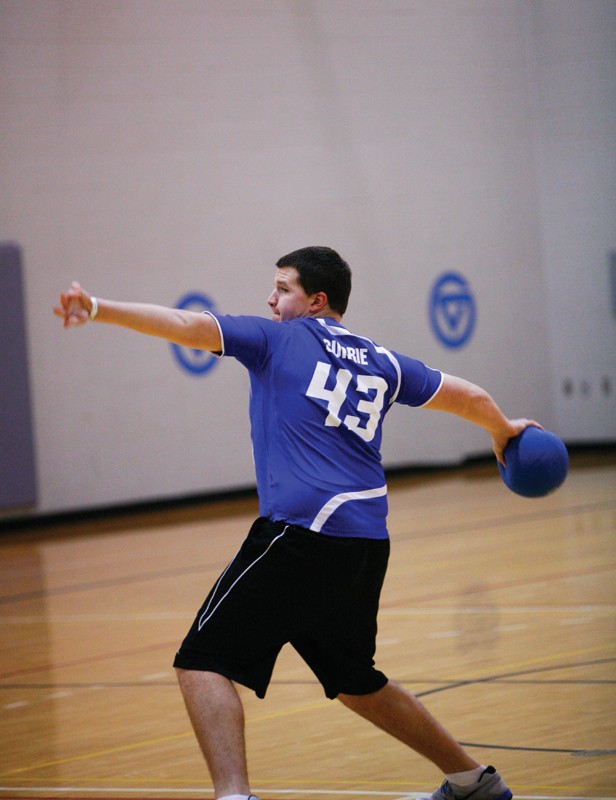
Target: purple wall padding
[17, 471]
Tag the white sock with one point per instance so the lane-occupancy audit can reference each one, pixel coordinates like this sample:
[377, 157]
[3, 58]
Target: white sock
[465, 778]
[236, 797]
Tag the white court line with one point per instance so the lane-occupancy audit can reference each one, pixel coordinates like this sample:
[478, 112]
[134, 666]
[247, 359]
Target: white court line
[265, 792]
[155, 616]
[507, 628]
[573, 609]
[144, 616]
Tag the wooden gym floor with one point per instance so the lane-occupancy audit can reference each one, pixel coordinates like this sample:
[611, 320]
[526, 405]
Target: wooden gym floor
[498, 611]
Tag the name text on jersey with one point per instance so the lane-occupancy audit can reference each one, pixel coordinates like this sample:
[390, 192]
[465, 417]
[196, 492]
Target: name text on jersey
[357, 354]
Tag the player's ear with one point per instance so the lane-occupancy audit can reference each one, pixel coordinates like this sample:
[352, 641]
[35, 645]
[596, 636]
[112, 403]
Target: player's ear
[319, 301]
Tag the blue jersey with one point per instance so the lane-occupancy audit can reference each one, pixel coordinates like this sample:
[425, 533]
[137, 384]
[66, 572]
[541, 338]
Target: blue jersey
[318, 398]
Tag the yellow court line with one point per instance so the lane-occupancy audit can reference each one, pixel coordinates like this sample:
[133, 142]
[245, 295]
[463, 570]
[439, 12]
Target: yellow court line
[153, 742]
[548, 657]
[288, 712]
[95, 754]
[531, 662]
[573, 791]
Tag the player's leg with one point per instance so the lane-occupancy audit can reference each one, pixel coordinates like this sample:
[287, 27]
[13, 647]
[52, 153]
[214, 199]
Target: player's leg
[217, 717]
[234, 638]
[399, 713]
[402, 715]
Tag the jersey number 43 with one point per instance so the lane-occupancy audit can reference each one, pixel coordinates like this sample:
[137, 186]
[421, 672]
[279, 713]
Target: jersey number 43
[370, 409]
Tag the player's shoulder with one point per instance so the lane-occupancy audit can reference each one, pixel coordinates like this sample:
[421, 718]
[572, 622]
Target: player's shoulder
[346, 335]
[247, 323]
[336, 328]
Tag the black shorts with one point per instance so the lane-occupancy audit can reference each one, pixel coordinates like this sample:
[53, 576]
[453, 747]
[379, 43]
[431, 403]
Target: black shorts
[288, 584]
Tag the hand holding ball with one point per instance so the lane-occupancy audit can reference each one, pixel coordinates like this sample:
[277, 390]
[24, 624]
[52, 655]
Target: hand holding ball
[537, 463]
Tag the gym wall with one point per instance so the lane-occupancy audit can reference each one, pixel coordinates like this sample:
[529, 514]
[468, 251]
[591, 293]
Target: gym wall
[458, 154]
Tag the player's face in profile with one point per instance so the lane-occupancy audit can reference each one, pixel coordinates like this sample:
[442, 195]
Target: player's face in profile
[288, 300]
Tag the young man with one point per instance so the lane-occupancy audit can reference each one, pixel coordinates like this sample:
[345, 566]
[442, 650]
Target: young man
[311, 569]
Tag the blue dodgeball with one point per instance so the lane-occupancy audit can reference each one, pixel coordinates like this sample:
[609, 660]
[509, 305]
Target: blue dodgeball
[537, 463]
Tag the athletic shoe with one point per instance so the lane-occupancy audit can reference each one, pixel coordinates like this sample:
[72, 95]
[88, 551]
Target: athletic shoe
[489, 787]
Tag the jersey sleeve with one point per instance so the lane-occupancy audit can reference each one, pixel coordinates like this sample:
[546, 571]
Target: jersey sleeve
[418, 382]
[247, 338]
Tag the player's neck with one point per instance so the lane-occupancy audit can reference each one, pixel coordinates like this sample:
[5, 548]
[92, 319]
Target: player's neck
[328, 313]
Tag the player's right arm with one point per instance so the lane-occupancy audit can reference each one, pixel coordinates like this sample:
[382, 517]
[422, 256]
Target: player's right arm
[469, 401]
[186, 328]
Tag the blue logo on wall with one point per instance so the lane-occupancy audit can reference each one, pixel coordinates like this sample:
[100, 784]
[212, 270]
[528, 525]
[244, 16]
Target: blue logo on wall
[452, 310]
[196, 362]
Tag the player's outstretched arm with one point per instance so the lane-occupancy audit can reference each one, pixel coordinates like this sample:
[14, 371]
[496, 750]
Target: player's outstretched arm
[186, 328]
[469, 401]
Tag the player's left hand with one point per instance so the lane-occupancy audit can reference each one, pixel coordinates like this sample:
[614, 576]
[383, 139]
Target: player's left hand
[75, 306]
[500, 440]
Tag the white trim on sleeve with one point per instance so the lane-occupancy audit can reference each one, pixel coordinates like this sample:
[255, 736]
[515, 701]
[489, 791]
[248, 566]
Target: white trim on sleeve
[436, 391]
[217, 354]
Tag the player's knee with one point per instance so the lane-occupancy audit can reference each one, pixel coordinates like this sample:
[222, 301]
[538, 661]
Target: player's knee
[358, 701]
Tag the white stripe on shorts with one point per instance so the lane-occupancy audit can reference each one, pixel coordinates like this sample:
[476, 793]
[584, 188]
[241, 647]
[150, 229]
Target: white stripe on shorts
[207, 616]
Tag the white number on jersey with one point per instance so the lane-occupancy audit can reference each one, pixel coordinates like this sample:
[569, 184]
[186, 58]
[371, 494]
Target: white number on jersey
[335, 398]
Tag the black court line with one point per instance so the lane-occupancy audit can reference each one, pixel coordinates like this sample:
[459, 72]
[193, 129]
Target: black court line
[556, 682]
[509, 675]
[579, 752]
[39, 594]
[504, 678]
[588, 753]
[501, 522]
[395, 537]
[145, 684]
[521, 748]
